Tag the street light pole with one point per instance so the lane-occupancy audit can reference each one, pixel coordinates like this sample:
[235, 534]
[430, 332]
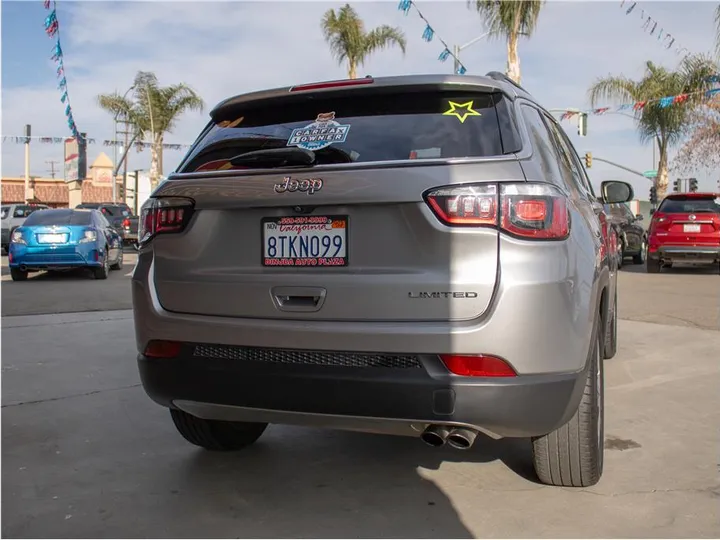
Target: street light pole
[458, 48]
[115, 152]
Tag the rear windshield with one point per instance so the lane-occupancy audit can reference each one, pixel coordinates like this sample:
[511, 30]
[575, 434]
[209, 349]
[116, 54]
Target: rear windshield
[363, 128]
[59, 217]
[115, 211]
[690, 205]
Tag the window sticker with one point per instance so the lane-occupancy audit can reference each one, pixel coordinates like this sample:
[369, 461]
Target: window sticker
[426, 153]
[461, 110]
[323, 132]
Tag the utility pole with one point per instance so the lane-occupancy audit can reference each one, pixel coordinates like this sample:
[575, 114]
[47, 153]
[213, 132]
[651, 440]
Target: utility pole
[126, 134]
[458, 48]
[28, 194]
[52, 164]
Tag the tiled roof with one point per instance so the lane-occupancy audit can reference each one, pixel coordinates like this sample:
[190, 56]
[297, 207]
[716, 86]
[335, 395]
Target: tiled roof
[53, 192]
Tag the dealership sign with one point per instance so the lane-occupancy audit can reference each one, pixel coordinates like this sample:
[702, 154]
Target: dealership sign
[75, 160]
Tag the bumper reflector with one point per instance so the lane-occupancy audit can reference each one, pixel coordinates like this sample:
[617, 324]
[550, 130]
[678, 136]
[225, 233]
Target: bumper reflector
[162, 349]
[478, 365]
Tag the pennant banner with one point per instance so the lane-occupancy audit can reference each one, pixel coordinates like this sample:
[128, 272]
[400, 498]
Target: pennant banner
[139, 146]
[640, 105]
[429, 33]
[651, 25]
[52, 29]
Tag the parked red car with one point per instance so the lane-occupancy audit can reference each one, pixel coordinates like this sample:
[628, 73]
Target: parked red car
[685, 228]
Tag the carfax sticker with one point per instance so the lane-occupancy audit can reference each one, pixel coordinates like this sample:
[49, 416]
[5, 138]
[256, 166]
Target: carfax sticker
[323, 132]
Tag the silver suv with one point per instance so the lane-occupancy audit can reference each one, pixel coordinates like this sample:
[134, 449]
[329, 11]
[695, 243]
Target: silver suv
[415, 255]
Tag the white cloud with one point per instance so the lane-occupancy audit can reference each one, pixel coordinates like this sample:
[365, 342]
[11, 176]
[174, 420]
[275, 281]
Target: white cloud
[227, 48]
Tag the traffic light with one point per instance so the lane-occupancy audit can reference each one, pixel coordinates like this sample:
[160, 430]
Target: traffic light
[582, 124]
[693, 185]
[676, 184]
[588, 160]
[653, 195]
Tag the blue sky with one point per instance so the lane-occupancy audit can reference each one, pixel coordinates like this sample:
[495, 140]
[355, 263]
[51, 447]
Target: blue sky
[226, 48]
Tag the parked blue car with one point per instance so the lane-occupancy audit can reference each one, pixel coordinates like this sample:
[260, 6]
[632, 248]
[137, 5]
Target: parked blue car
[63, 239]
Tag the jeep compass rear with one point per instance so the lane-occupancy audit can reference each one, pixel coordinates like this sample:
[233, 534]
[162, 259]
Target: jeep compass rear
[417, 256]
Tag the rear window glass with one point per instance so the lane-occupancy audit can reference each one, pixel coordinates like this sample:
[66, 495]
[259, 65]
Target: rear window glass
[59, 217]
[363, 128]
[24, 211]
[690, 205]
[4, 211]
[115, 211]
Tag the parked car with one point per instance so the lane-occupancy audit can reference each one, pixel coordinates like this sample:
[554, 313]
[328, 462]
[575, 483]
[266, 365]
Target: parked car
[120, 216]
[13, 216]
[416, 255]
[631, 235]
[64, 239]
[685, 228]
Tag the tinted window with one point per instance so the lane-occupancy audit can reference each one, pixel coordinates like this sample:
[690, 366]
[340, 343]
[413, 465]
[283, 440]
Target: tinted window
[361, 128]
[115, 211]
[59, 217]
[25, 211]
[574, 162]
[542, 145]
[4, 212]
[690, 205]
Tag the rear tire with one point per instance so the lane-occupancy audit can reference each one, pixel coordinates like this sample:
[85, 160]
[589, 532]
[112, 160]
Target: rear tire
[610, 346]
[572, 455]
[119, 264]
[653, 266]
[216, 435]
[640, 257]
[18, 275]
[103, 271]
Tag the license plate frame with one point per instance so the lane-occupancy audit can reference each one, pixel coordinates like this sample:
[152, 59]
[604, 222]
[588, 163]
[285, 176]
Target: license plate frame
[52, 238]
[691, 228]
[327, 261]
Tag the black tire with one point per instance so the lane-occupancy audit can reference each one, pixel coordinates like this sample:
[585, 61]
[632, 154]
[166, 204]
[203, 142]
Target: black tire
[640, 257]
[119, 264]
[18, 275]
[611, 341]
[216, 435]
[621, 251]
[103, 271]
[572, 455]
[653, 266]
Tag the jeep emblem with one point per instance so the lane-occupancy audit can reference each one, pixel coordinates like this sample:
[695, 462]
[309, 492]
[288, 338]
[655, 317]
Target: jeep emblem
[309, 185]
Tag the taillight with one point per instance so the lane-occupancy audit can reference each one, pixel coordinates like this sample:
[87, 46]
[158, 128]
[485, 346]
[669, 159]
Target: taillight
[164, 216]
[126, 223]
[477, 365]
[331, 84]
[536, 211]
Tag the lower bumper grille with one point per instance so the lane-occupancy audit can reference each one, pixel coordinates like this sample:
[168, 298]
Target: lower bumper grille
[308, 358]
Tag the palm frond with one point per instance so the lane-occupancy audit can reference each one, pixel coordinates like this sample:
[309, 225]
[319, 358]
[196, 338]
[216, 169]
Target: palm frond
[613, 89]
[505, 18]
[383, 37]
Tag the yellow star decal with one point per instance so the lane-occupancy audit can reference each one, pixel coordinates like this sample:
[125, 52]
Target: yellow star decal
[461, 110]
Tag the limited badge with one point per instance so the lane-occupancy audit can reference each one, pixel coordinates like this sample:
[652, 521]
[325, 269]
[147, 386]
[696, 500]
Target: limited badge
[323, 132]
[461, 110]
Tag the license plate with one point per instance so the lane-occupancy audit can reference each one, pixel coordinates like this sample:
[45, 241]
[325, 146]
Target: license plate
[691, 227]
[52, 238]
[305, 241]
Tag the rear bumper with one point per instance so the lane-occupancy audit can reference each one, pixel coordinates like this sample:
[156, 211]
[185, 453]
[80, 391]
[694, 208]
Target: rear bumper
[394, 400]
[686, 253]
[42, 258]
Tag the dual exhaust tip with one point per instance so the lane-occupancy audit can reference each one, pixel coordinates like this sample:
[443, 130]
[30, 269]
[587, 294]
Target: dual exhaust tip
[459, 438]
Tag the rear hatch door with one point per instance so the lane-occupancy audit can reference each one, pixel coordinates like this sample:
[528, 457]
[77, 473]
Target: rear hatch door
[689, 219]
[350, 238]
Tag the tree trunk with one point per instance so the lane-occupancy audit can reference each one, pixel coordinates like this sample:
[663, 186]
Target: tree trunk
[161, 152]
[352, 69]
[662, 174]
[154, 165]
[513, 58]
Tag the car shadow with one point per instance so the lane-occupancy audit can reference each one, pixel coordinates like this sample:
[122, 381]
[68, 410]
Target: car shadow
[344, 484]
[680, 269]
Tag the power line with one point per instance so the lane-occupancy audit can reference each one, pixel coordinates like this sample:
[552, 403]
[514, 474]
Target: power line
[52, 164]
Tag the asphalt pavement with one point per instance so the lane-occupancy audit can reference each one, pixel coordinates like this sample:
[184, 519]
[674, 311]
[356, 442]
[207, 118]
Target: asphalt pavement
[86, 454]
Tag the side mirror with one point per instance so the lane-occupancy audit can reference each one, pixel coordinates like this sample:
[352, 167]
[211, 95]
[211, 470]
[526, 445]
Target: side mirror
[614, 192]
[639, 217]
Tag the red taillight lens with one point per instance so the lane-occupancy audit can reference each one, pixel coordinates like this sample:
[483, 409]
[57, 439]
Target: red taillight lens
[331, 84]
[534, 211]
[126, 222]
[465, 205]
[479, 365]
[164, 215]
[162, 349]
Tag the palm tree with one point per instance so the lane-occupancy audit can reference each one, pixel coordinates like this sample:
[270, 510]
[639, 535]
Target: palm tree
[663, 125]
[345, 33]
[152, 111]
[510, 19]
